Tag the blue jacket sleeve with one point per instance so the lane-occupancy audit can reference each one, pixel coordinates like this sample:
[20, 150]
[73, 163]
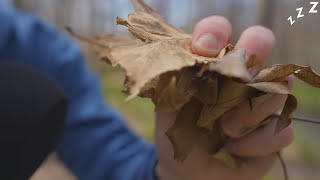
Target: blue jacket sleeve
[95, 144]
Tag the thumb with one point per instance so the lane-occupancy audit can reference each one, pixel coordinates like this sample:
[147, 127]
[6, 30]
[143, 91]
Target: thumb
[211, 35]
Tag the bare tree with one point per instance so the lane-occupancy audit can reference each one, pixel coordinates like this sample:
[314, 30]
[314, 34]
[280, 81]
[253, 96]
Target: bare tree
[18, 3]
[265, 16]
[24, 4]
[162, 7]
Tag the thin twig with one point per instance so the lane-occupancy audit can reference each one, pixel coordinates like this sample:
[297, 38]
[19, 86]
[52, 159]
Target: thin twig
[284, 166]
[85, 39]
[306, 119]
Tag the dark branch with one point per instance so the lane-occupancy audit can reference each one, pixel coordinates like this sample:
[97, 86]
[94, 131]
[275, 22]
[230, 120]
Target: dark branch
[306, 119]
[284, 166]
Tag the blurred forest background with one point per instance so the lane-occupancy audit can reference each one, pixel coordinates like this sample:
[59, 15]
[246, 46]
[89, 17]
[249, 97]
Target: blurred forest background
[298, 43]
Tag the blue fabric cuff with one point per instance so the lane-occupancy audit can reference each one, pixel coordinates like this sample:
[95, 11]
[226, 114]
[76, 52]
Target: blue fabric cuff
[153, 161]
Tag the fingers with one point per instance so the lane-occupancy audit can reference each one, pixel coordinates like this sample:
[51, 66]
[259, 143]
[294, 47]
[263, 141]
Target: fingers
[256, 168]
[261, 142]
[257, 40]
[211, 35]
[241, 119]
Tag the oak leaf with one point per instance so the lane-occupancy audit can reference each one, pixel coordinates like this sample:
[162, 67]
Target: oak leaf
[286, 115]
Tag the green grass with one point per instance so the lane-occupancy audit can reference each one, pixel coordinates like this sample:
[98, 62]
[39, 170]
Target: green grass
[306, 149]
[308, 96]
[268, 177]
[138, 112]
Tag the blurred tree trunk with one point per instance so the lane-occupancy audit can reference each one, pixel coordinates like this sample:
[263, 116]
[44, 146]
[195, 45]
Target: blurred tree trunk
[234, 15]
[94, 19]
[18, 3]
[265, 15]
[162, 7]
[208, 8]
[21, 4]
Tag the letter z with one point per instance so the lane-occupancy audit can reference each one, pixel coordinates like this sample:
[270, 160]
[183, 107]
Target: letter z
[313, 9]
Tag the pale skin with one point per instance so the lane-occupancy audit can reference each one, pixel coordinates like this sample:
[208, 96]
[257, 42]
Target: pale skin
[259, 147]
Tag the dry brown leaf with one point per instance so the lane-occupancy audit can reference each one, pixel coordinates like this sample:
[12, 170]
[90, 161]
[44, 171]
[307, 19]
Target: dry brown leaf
[286, 115]
[139, 5]
[166, 50]
[148, 91]
[187, 80]
[280, 71]
[205, 66]
[160, 65]
[184, 134]
[225, 51]
[253, 61]
[139, 60]
[208, 90]
[230, 94]
[258, 101]
[272, 87]
[212, 141]
[149, 28]
[230, 90]
[232, 65]
[170, 99]
[158, 84]
[276, 88]
[115, 41]
[144, 63]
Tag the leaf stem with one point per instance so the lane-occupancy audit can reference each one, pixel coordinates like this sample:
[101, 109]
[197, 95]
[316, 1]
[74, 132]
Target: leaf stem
[284, 166]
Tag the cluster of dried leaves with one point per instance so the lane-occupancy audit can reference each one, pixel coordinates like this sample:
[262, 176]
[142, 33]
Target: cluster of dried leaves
[160, 65]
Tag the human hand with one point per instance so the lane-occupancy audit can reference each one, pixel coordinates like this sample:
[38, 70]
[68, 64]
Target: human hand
[259, 147]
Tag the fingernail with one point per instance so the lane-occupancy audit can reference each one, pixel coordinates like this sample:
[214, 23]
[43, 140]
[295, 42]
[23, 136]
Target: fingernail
[207, 41]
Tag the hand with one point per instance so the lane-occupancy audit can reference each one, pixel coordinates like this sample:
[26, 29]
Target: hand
[259, 147]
